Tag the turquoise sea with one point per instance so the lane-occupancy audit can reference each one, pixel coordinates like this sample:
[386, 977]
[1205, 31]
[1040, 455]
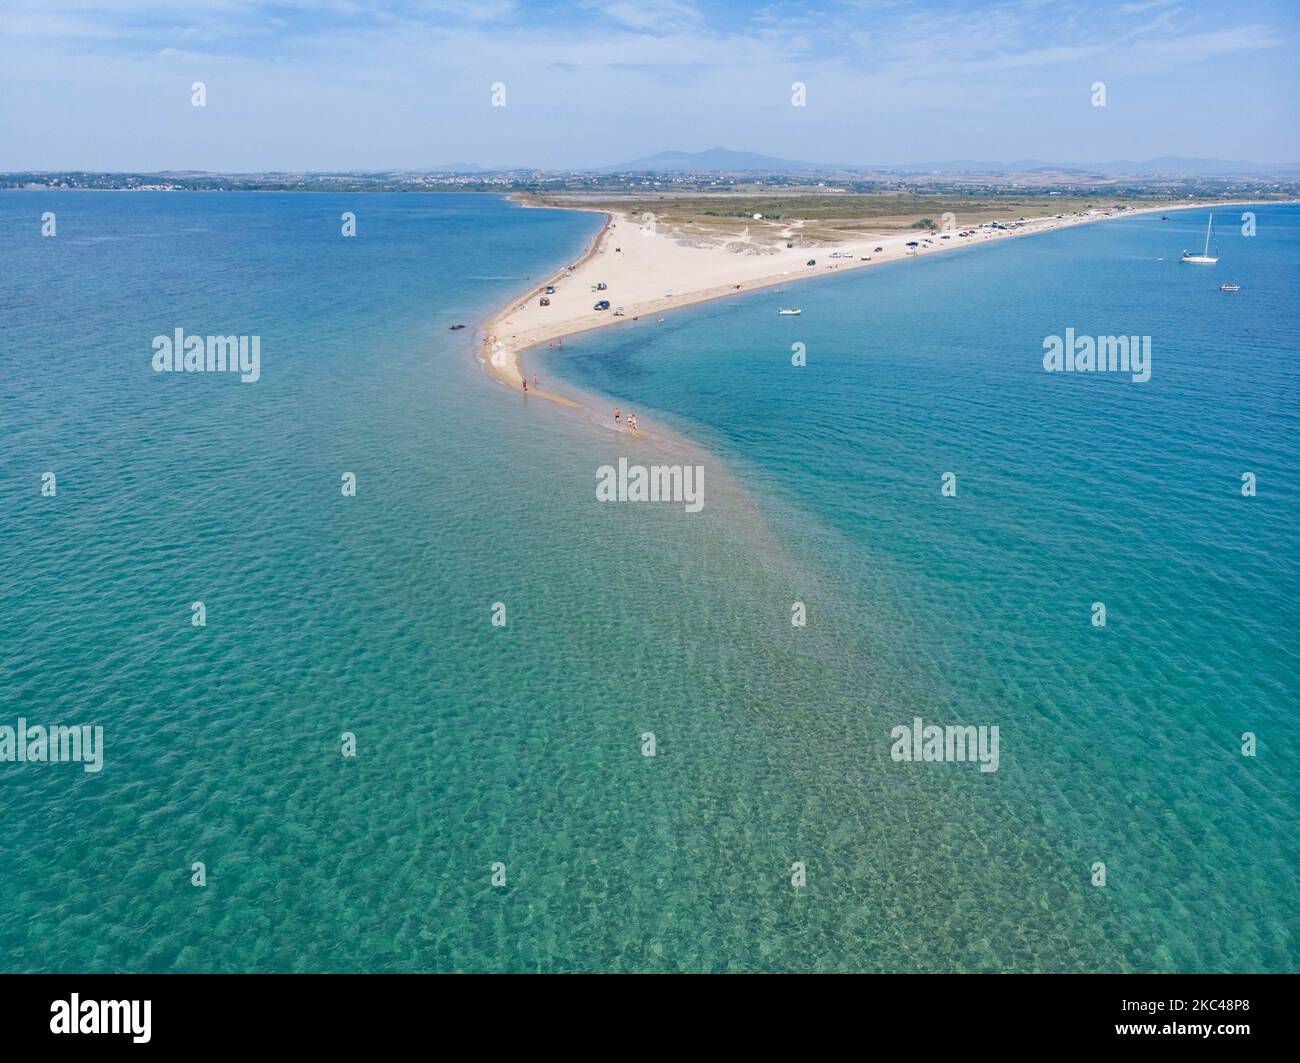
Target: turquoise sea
[522, 744]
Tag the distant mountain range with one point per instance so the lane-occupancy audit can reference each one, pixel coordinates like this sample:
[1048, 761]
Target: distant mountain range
[725, 161]
[460, 167]
[1167, 165]
[716, 159]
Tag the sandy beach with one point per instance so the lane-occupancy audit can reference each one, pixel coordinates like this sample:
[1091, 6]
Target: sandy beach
[646, 272]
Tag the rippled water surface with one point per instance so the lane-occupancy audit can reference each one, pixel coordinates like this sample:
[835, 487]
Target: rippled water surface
[523, 744]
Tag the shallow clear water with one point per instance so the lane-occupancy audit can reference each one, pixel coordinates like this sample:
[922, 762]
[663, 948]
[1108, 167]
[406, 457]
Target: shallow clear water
[1121, 744]
[522, 744]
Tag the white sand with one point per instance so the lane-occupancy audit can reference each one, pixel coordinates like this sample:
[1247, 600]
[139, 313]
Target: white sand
[648, 272]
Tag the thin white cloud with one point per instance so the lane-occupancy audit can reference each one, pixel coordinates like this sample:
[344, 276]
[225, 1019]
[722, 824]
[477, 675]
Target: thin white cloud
[407, 84]
[652, 16]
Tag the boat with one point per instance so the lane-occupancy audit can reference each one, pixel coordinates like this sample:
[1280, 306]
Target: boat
[788, 313]
[1204, 258]
[1229, 287]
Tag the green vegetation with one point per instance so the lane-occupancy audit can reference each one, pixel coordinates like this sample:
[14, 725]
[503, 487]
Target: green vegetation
[829, 217]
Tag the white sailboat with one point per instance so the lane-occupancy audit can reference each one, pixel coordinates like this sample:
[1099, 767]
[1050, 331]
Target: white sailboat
[1204, 258]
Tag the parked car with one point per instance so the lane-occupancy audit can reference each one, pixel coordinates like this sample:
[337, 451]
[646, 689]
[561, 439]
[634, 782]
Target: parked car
[601, 286]
[602, 305]
[878, 249]
[812, 262]
[550, 289]
[619, 312]
[543, 301]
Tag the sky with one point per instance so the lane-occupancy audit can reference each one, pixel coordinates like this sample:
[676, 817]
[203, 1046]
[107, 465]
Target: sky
[408, 84]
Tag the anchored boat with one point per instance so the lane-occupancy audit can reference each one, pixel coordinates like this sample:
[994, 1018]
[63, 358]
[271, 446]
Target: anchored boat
[1204, 258]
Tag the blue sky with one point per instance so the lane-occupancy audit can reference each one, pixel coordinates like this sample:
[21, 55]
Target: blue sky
[352, 84]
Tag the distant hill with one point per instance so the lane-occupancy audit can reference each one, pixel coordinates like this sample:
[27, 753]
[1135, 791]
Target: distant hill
[1168, 166]
[723, 160]
[715, 159]
[1173, 164]
[982, 166]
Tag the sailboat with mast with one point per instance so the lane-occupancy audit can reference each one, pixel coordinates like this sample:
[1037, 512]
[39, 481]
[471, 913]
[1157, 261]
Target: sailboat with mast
[1204, 258]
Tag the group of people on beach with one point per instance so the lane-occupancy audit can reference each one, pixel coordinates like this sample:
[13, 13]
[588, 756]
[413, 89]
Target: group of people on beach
[618, 414]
